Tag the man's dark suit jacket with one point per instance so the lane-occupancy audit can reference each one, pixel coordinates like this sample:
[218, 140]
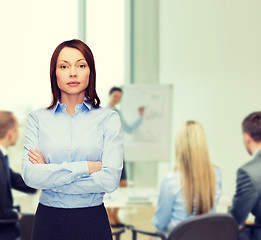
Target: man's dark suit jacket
[6, 199]
[247, 198]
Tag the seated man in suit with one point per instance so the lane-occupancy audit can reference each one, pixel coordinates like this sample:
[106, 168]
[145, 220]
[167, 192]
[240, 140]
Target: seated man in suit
[247, 198]
[8, 178]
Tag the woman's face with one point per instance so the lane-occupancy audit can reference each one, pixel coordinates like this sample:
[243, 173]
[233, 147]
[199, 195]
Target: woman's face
[72, 72]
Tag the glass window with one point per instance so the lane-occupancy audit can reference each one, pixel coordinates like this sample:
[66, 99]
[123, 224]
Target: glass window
[32, 31]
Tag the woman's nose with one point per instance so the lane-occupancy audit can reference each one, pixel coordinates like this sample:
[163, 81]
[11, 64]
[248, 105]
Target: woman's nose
[73, 72]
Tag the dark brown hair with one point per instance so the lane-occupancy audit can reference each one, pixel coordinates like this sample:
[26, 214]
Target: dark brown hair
[252, 126]
[90, 92]
[7, 122]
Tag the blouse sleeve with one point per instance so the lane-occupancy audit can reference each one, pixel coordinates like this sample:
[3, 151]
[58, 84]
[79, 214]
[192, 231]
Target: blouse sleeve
[106, 180]
[218, 185]
[166, 200]
[47, 176]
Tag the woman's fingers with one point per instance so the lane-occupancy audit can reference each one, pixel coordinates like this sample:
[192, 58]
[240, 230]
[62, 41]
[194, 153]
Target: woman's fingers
[33, 156]
[40, 156]
[38, 151]
[33, 161]
[36, 156]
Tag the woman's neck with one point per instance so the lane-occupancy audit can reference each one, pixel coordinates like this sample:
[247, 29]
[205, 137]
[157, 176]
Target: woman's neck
[71, 100]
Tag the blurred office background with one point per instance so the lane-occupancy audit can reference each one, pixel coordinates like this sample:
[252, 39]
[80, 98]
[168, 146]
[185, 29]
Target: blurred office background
[209, 50]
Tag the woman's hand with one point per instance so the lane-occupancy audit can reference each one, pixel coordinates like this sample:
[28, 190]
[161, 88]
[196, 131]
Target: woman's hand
[36, 157]
[94, 166]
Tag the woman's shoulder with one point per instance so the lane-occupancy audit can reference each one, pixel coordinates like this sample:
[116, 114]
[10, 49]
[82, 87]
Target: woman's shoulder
[38, 112]
[172, 178]
[113, 109]
[106, 112]
[107, 117]
[171, 183]
[42, 115]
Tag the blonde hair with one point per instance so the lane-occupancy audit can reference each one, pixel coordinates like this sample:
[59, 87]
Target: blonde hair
[197, 173]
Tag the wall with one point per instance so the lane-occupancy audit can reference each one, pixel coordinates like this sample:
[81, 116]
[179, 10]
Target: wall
[145, 38]
[105, 36]
[210, 50]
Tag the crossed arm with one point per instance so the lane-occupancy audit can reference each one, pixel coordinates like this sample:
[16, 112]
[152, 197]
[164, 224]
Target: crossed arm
[74, 177]
[37, 158]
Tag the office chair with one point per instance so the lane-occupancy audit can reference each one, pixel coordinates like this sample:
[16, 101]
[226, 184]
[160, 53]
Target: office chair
[152, 234]
[252, 226]
[249, 229]
[118, 233]
[9, 227]
[203, 227]
[26, 223]
[9, 221]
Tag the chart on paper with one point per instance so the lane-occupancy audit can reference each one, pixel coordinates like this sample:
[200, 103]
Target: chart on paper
[151, 140]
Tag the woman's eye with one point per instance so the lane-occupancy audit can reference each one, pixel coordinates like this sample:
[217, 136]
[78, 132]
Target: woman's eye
[82, 66]
[63, 67]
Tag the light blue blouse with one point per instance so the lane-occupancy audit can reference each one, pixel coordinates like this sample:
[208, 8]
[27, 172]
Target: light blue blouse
[172, 207]
[67, 143]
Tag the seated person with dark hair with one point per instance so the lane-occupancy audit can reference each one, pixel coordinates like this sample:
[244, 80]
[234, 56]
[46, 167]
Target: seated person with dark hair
[8, 178]
[247, 198]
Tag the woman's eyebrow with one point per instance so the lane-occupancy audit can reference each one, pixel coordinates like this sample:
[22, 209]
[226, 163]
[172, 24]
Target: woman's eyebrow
[64, 61]
[81, 59]
[76, 61]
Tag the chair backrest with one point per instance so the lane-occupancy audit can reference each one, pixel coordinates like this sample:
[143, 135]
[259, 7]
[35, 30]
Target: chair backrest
[27, 223]
[7, 221]
[206, 227]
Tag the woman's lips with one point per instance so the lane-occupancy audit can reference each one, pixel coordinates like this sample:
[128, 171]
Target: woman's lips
[73, 83]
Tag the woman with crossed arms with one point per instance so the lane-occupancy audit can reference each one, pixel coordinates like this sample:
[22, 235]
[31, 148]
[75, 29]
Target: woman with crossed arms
[73, 151]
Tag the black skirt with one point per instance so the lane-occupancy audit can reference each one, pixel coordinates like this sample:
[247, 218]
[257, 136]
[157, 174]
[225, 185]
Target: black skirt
[71, 224]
